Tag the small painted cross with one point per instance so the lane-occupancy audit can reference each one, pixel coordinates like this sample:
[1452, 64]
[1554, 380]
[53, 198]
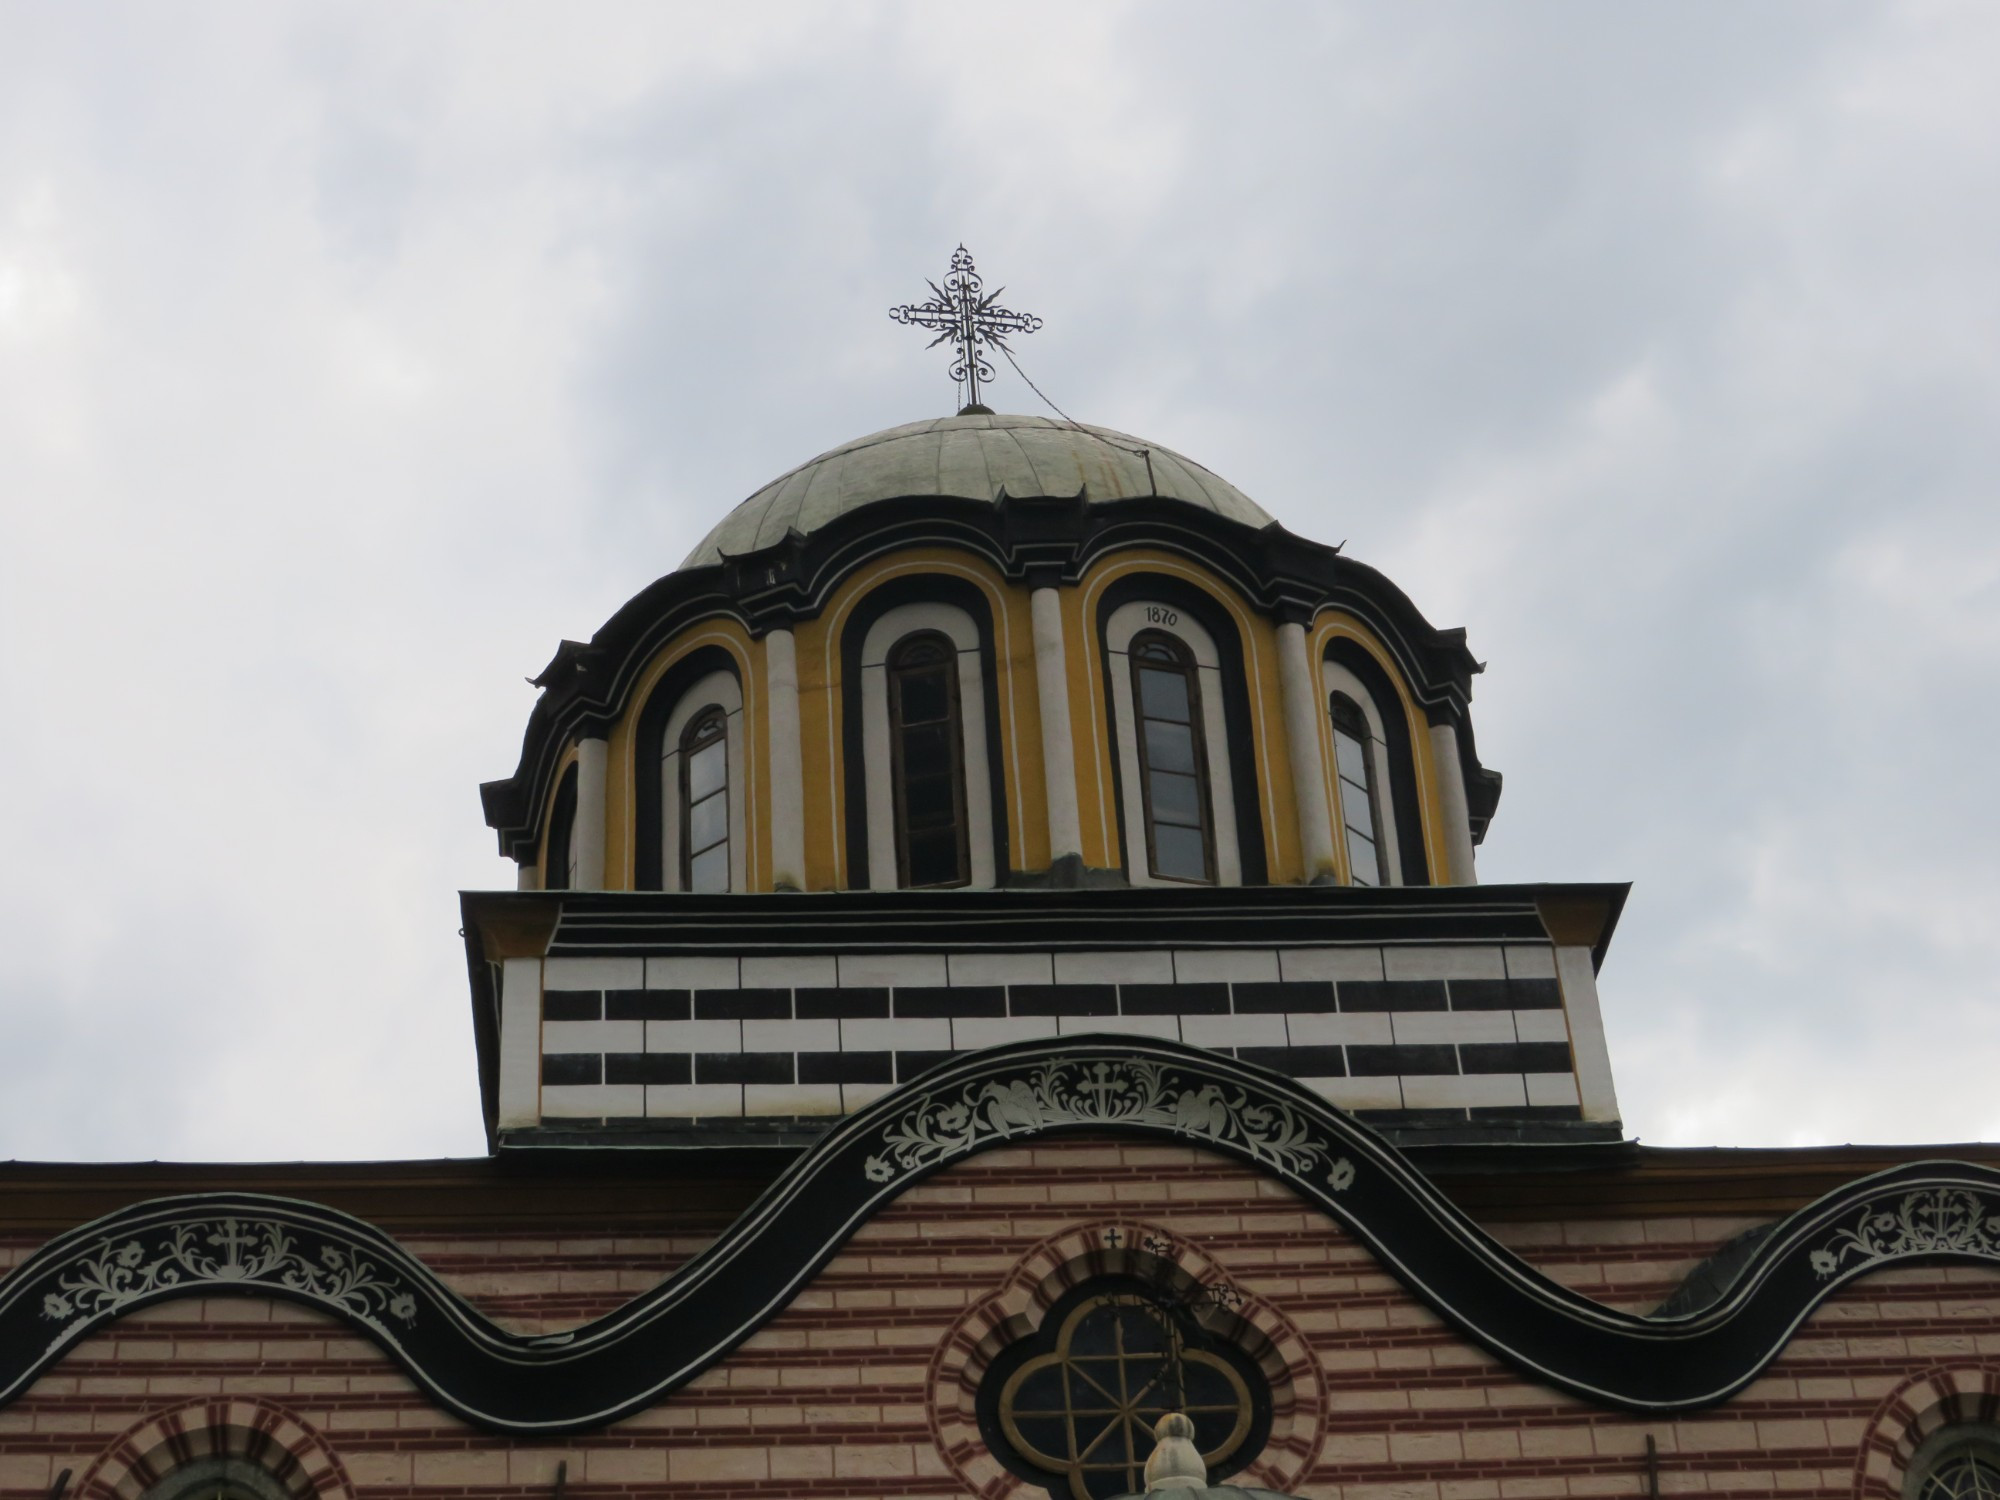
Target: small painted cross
[1101, 1085]
[232, 1238]
[966, 316]
[1112, 1238]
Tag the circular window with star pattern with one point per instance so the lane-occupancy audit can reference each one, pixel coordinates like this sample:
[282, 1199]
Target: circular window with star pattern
[1072, 1406]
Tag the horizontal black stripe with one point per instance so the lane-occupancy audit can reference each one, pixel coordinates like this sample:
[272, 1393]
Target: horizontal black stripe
[1505, 994]
[1514, 1057]
[1415, 1060]
[648, 1067]
[831, 1004]
[743, 1067]
[1295, 995]
[937, 1000]
[1371, 995]
[847, 1067]
[572, 1005]
[647, 1005]
[570, 1068]
[743, 1005]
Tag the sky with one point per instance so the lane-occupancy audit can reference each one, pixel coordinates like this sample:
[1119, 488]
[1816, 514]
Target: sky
[350, 357]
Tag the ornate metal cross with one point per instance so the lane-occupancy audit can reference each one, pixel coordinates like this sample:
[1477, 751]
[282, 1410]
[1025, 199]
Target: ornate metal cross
[962, 313]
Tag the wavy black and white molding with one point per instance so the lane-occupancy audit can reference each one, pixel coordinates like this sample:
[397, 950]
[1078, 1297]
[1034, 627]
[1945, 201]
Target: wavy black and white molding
[209, 1243]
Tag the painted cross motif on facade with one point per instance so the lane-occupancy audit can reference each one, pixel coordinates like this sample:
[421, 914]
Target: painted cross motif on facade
[965, 314]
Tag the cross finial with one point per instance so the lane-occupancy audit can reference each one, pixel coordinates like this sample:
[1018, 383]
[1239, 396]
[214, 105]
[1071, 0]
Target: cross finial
[966, 316]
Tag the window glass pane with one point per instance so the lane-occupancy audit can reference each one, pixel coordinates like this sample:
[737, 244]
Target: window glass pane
[709, 871]
[933, 856]
[1176, 799]
[708, 822]
[927, 801]
[1362, 859]
[1169, 747]
[1355, 809]
[1163, 695]
[708, 768]
[1179, 853]
[926, 698]
[1350, 757]
[927, 751]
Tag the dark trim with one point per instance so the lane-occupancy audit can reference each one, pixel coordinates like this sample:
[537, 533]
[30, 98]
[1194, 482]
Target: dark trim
[1245, 789]
[1402, 788]
[649, 748]
[246, 1244]
[917, 589]
[603, 924]
[1051, 539]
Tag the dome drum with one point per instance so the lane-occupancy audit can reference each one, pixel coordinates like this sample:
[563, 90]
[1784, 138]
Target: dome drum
[1027, 523]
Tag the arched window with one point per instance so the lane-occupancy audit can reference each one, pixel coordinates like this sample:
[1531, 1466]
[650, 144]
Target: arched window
[1173, 770]
[1360, 799]
[559, 860]
[221, 1478]
[1959, 1463]
[1072, 1406]
[704, 794]
[927, 763]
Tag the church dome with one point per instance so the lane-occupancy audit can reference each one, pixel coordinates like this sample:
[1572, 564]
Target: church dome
[970, 458]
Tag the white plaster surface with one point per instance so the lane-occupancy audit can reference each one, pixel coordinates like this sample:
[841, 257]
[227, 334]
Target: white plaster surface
[593, 973]
[1465, 1091]
[1225, 965]
[879, 970]
[1330, 963]
[692, 974]
[1001, 968]
[1443, 963]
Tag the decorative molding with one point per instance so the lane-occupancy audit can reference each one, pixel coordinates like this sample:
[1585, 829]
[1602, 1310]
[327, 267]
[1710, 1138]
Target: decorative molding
[1115, 1093]
[248, 1244]
[120, 1273]
[1934, 1221]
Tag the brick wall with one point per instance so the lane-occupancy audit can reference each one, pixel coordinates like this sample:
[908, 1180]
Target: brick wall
[861, 1388]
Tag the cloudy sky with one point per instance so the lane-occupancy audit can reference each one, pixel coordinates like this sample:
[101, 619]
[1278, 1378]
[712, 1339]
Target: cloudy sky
[351, 357]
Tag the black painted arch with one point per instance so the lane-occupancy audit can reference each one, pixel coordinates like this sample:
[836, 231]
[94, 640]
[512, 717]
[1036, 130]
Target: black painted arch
[222, 1243]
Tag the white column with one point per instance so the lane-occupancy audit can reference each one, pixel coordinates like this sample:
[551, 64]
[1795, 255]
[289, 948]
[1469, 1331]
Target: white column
[587, 842]
[1457, 812]
[788, 786]
[1058, 748]
[1302, 710]
[526, 877]
[1578, 977]
[520, 1101]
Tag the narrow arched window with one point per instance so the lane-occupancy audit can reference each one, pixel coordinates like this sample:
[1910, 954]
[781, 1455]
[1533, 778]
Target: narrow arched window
[927, 762]
[1173, 765]
[559, 859]
[705, 802]
[1360, 803]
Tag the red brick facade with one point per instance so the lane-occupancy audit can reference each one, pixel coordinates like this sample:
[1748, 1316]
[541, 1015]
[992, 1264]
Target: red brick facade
[863, 1386]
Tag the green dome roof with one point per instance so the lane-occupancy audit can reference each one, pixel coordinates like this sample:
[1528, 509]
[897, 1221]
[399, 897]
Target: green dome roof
[970, 458]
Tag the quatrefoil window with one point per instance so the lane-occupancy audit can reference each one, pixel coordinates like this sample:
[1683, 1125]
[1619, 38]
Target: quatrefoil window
[1072, 1406]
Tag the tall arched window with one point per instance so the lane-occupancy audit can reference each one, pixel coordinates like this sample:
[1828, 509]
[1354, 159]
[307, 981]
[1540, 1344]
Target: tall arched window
[1173, 770]
[559, 859]
[1360, 799]
[705, 802]
[927, 762]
